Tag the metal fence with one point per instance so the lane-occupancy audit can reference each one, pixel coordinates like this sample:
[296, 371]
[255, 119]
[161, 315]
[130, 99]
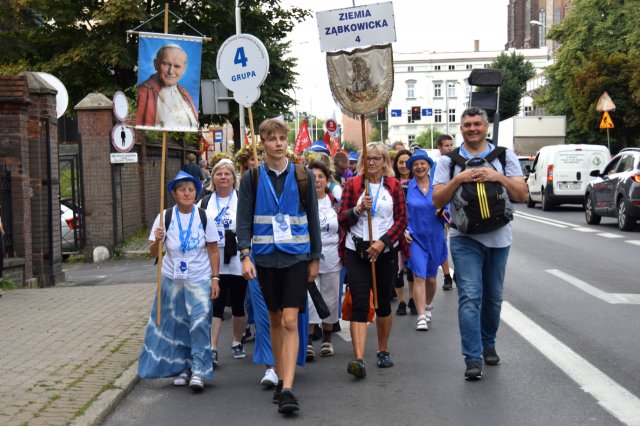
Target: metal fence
[5, 209]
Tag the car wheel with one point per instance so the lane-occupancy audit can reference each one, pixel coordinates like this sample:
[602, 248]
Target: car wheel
[625, 221]
[589, 214]
[545, 203]
[530, 202]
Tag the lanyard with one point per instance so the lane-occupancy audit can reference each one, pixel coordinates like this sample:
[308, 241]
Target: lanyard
[184, 241]
[375, 200]
[223, 211]
[468, 156]
[273, 191]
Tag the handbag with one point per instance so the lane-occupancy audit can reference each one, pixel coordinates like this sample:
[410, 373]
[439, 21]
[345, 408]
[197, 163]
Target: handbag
[361, 247]
[230, 246]
[318, 300]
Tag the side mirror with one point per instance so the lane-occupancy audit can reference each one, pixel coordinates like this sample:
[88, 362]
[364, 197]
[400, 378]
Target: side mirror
[527, 168]
[594, 173]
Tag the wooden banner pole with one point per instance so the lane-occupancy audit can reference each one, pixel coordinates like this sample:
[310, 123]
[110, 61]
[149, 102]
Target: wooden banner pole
[253, 137]
[374, 285]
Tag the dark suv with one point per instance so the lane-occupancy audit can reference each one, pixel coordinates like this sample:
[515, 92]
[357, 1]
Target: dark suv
[616, 191]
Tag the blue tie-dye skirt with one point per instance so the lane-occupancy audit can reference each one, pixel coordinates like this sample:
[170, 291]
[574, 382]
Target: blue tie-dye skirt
[183, 339]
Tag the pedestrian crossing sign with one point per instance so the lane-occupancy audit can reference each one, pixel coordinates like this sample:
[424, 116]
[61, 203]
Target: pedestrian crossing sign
[606, 122]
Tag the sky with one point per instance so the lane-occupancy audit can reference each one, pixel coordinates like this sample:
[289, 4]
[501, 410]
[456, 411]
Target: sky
[421, 25]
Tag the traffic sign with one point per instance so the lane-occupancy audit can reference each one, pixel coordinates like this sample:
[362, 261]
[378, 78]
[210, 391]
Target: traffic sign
[396, 113]
[356, 26]
[120, 106]
[123, 157]
[331, 125]
[122, 138]
[217, 136]
[606, 122]
[605, 103]
[427, 112]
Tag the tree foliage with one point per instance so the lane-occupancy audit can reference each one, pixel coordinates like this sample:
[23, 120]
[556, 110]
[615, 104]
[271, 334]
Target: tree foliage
[517, 70]
[599, 50]
[424, 139]
[85, 44]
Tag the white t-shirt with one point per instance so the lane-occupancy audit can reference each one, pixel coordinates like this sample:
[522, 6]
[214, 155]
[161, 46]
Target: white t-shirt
[226, 221]
[196, 257]
[329, 235]
[172, 110]
[381, 221]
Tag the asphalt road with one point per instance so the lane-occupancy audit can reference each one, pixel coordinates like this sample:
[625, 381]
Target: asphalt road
[568, 344]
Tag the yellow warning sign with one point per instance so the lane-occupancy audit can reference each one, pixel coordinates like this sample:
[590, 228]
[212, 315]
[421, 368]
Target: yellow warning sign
[606, 122]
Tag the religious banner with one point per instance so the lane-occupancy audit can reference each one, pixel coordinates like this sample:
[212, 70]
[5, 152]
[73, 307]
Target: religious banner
[168, 82]
[361, 80]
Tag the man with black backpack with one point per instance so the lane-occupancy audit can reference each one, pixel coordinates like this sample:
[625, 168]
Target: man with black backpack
[478, 180]
[278, 221]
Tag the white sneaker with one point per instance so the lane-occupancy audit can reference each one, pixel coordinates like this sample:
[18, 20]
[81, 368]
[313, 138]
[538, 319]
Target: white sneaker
[427, 312]
[421, 324]
[196, 383]
[270, 378]
[182, 379]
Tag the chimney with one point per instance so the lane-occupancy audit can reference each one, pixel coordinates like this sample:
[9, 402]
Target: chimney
[476, 45]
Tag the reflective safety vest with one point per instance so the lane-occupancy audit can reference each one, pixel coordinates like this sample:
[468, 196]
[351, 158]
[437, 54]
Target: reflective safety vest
[266, 209]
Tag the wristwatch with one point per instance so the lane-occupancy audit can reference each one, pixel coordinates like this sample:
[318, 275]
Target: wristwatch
[243, 254]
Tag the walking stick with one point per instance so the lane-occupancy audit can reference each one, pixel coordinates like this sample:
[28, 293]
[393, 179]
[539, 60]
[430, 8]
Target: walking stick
[253, 137]
[374, 286]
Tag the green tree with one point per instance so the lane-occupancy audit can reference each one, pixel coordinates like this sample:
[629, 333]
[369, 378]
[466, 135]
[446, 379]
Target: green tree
[599, 50]
[424, 139]
[517, 70]
[85, 44]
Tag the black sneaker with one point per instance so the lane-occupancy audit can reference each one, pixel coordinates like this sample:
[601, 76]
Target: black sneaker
[384, 359]
[277, 392]
[448, 283]
[288, 403]
[357, 368]
[490, 356]
[473, 371]
[412, 307]
[402, 309]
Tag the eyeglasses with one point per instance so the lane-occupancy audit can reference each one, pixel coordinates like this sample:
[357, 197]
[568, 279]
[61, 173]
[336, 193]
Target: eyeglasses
[374, 159]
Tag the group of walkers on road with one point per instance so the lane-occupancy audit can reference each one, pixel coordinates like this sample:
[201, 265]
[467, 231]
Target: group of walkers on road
[282, 244]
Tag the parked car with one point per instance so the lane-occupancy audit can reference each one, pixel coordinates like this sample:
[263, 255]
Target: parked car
[526, 163]
[560, 173]
[615, 192]
[68, 223]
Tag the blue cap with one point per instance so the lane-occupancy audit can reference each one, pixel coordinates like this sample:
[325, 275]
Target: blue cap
[185, 176]
[353, 156]
[419, 154]
[319, 146]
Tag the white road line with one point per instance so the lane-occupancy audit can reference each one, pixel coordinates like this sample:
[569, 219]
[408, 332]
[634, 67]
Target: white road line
[613, 298]
[344, 332]
[609, 235]
[614, 398]
[582, 229]
[634, 242]
[546, 219]
[546, 222]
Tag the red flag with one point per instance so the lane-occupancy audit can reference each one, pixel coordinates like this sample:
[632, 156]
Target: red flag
[204, 146]
[303, 140]
[246, 140]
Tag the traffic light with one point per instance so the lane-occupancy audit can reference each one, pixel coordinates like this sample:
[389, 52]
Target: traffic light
[382, 114]
[415, 113]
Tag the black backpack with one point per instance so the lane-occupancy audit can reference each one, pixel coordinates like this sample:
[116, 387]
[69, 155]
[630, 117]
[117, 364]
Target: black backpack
[481, 206]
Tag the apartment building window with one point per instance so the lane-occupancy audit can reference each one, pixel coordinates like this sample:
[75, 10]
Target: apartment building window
[528, 111]
[452, 67]
[412, 139]
[451, 89]
[437, 116]
[410, 68]
[437, 89]
[437, 67]
[468, 66]
[487, 65]
[452, 115]
[411, 89]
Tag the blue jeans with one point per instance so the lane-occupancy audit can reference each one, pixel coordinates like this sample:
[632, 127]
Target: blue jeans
[479, 272]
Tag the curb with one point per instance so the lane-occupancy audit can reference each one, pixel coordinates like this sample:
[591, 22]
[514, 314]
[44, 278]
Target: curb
[107, 401]
[136, 254]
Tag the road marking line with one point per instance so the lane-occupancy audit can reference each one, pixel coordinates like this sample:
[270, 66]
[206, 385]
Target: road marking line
[609, 235]
[613, 298]
[582, 229]
[634, 242]
[540, 220]
[614, 398]
[545, 219]
[344, 330]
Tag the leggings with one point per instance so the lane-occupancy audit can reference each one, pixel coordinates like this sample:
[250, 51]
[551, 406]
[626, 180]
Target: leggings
[236, 286]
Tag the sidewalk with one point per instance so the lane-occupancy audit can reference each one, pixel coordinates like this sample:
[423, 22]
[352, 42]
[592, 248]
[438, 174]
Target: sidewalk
[69, 353]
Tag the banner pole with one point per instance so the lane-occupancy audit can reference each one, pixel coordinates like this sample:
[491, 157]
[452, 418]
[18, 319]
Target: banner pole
[374, 285]
[253, 137]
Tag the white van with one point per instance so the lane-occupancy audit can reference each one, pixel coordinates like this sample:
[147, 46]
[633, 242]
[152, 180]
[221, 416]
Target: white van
[560, 173]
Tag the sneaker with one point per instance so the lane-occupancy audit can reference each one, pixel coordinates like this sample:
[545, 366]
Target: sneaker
[421, 324]
[214, 357]
[196, 383]
[182, 379]
[427, 312]
[412, 307]
[277, 392]
[288, 403]
[448, 283]
[238, 351]
[311, 355]
[490, 356]
[270, 378]
[402, 309]
[473, 371]
[384, 359]
[357, 368]
[326, 349]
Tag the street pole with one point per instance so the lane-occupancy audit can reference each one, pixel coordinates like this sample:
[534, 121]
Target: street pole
[243, 132]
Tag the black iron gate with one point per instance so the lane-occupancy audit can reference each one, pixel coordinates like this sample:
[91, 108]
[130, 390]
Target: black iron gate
[5, 211]
[71, 203]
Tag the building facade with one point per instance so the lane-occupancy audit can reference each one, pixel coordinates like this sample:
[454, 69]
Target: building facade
[436, 84]
[522, 33]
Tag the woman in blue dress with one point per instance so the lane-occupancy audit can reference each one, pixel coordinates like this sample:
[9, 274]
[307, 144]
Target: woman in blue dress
[181, 344]
[428, 245]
